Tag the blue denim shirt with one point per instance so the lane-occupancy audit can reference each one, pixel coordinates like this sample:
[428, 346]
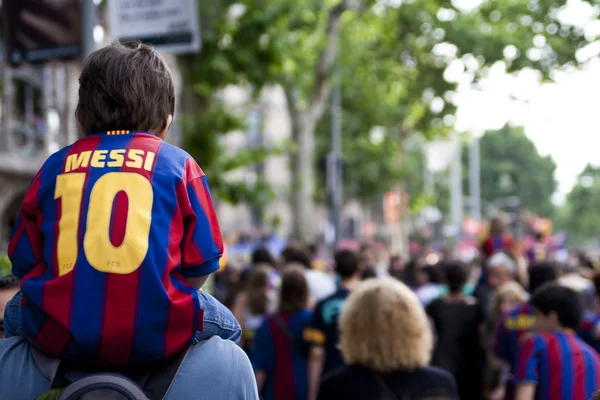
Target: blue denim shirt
[218, 320]
[214, 369]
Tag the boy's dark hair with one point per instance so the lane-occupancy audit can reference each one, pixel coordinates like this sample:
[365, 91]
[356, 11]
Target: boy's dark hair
[434, 273]
[346, 264]
[125, 86]
[564, 301]
[456, 275]
[540, 274]
[263, 256]
[299, 256]
[9, 282]
[293, 295]
[368, 273]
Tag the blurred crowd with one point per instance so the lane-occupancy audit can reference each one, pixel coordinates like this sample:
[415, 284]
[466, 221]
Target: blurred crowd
[367, 325]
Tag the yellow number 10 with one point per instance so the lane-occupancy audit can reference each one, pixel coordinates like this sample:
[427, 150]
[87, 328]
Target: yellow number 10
[99, 250]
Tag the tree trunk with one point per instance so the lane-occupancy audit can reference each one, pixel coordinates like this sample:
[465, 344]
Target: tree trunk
[399, 242]
[303, 176]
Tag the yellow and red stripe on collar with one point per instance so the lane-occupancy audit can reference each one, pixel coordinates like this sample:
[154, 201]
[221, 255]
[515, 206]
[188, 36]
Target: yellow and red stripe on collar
[117, 132]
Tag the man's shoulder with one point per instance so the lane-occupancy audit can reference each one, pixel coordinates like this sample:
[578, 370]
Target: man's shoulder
[13, 347]
[20, 377]
[219, 369]
[217, 351]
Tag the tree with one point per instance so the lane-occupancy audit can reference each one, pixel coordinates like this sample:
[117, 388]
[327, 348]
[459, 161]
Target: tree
[233, 54]
[579, 215]
[5, 266]
[512, 166]
[391, 59]
[394, 60]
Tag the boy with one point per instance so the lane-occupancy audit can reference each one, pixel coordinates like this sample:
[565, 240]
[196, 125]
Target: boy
[118, 231]
[555, 363]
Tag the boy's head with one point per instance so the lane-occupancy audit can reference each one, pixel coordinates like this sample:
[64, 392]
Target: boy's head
[346, 264]
[456, 274]
[556, 307]
[126, 86]
[540, 274]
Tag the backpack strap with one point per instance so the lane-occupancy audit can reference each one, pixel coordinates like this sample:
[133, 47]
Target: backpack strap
[155, 382]
[287, 332]
[47, 364]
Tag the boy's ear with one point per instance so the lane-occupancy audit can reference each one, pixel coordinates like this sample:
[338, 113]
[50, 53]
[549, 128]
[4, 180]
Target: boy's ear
[163, 133]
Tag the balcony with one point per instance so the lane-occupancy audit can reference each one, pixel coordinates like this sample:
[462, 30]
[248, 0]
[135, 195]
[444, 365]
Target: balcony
[38, 102]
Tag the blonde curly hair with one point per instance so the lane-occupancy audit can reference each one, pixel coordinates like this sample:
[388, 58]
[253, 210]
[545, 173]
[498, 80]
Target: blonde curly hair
[384, 327]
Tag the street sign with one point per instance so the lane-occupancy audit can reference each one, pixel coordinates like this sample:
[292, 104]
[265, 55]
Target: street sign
[172, 26]
[36, 31]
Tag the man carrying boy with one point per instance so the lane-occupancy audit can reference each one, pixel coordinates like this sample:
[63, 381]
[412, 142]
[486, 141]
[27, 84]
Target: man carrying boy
[118, 231]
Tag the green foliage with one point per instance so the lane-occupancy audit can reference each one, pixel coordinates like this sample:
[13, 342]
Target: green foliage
[234, 52]
[5, 265]
[579, 216]
[509, 151]
[391, 64]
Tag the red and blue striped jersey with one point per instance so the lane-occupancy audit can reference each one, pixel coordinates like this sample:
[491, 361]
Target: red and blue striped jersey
[494, 244]
[588, 329]
[281, 359]
[561, 364]
[107, 232]
[511, 328]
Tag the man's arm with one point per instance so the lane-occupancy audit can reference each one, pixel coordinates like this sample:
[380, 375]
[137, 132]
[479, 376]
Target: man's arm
[526, 391]
[316, 361]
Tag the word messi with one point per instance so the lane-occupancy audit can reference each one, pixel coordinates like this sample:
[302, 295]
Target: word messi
[132, 158]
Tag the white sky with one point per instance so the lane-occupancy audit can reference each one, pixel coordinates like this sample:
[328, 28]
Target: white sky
[561, 117]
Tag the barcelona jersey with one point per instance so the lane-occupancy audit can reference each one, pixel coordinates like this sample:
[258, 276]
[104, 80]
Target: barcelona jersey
[283, 358]
[107, 232]
[589, 327]
[511, 328]
[561, 365]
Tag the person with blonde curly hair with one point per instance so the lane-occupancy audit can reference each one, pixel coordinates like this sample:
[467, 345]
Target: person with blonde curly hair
[386, 342]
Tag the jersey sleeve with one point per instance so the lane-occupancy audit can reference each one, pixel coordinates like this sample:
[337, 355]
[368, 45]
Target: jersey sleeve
[314, 333]
[25, 249]
[530, 354]
[202, 245]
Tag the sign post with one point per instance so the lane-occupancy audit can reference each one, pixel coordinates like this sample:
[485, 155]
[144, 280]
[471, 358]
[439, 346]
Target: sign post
[172, 26]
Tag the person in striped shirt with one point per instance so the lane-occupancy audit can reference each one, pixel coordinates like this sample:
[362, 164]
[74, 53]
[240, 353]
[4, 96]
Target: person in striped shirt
[520, 319]
[554, 363]
[590, 326]
[118, 231]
